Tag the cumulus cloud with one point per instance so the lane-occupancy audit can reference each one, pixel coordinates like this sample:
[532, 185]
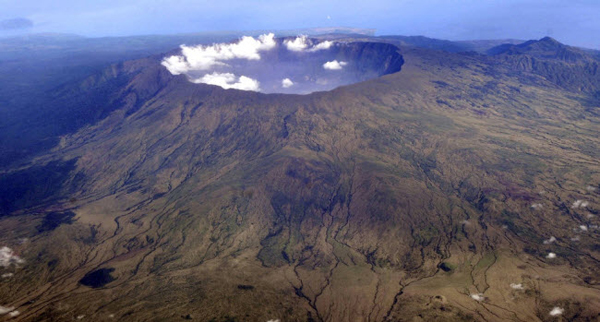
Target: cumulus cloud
[556, 311]
[14, 313]
[322, 46]
[550, 240]
[334, 65]
[206, 57]
[478, 297]
[299, 43]
[517, 286]
[302, 43]
[583, 228]
[7, 275]
[8, 257]
[229, 80]
[287, 83]
[551, 255]
[4, 309]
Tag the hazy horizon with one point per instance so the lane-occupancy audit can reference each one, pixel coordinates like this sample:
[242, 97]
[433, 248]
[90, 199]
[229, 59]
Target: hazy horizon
[571, 22]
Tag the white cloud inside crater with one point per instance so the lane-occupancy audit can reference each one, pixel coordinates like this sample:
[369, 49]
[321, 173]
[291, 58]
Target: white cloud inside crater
[334, 65]
[300, 43]
[287, 83]
[206, 57]
[303, 43]
[212, 60]
[322, 46]
[229, 80]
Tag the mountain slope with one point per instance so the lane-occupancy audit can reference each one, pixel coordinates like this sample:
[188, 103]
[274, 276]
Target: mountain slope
[419, 195]
[568, 67]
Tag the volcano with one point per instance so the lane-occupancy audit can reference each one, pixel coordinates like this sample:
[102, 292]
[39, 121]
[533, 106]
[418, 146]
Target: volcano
[443, 186]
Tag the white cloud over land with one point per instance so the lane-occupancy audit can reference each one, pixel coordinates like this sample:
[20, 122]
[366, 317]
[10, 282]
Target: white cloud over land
[580, 204]
[8, 257]
[556, 311]
[5, 309]
[478, 297]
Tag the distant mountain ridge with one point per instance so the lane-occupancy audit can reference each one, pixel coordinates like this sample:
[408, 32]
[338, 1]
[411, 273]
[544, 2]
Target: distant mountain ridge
[545, 48]
[566, 66]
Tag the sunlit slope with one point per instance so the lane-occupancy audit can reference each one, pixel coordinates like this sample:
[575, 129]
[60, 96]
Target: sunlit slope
[420, 195]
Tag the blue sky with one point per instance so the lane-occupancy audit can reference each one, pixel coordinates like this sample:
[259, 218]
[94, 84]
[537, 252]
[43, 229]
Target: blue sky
[574, 22]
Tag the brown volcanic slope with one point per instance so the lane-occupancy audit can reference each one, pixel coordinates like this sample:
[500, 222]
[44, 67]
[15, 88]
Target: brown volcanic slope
[396, 199]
